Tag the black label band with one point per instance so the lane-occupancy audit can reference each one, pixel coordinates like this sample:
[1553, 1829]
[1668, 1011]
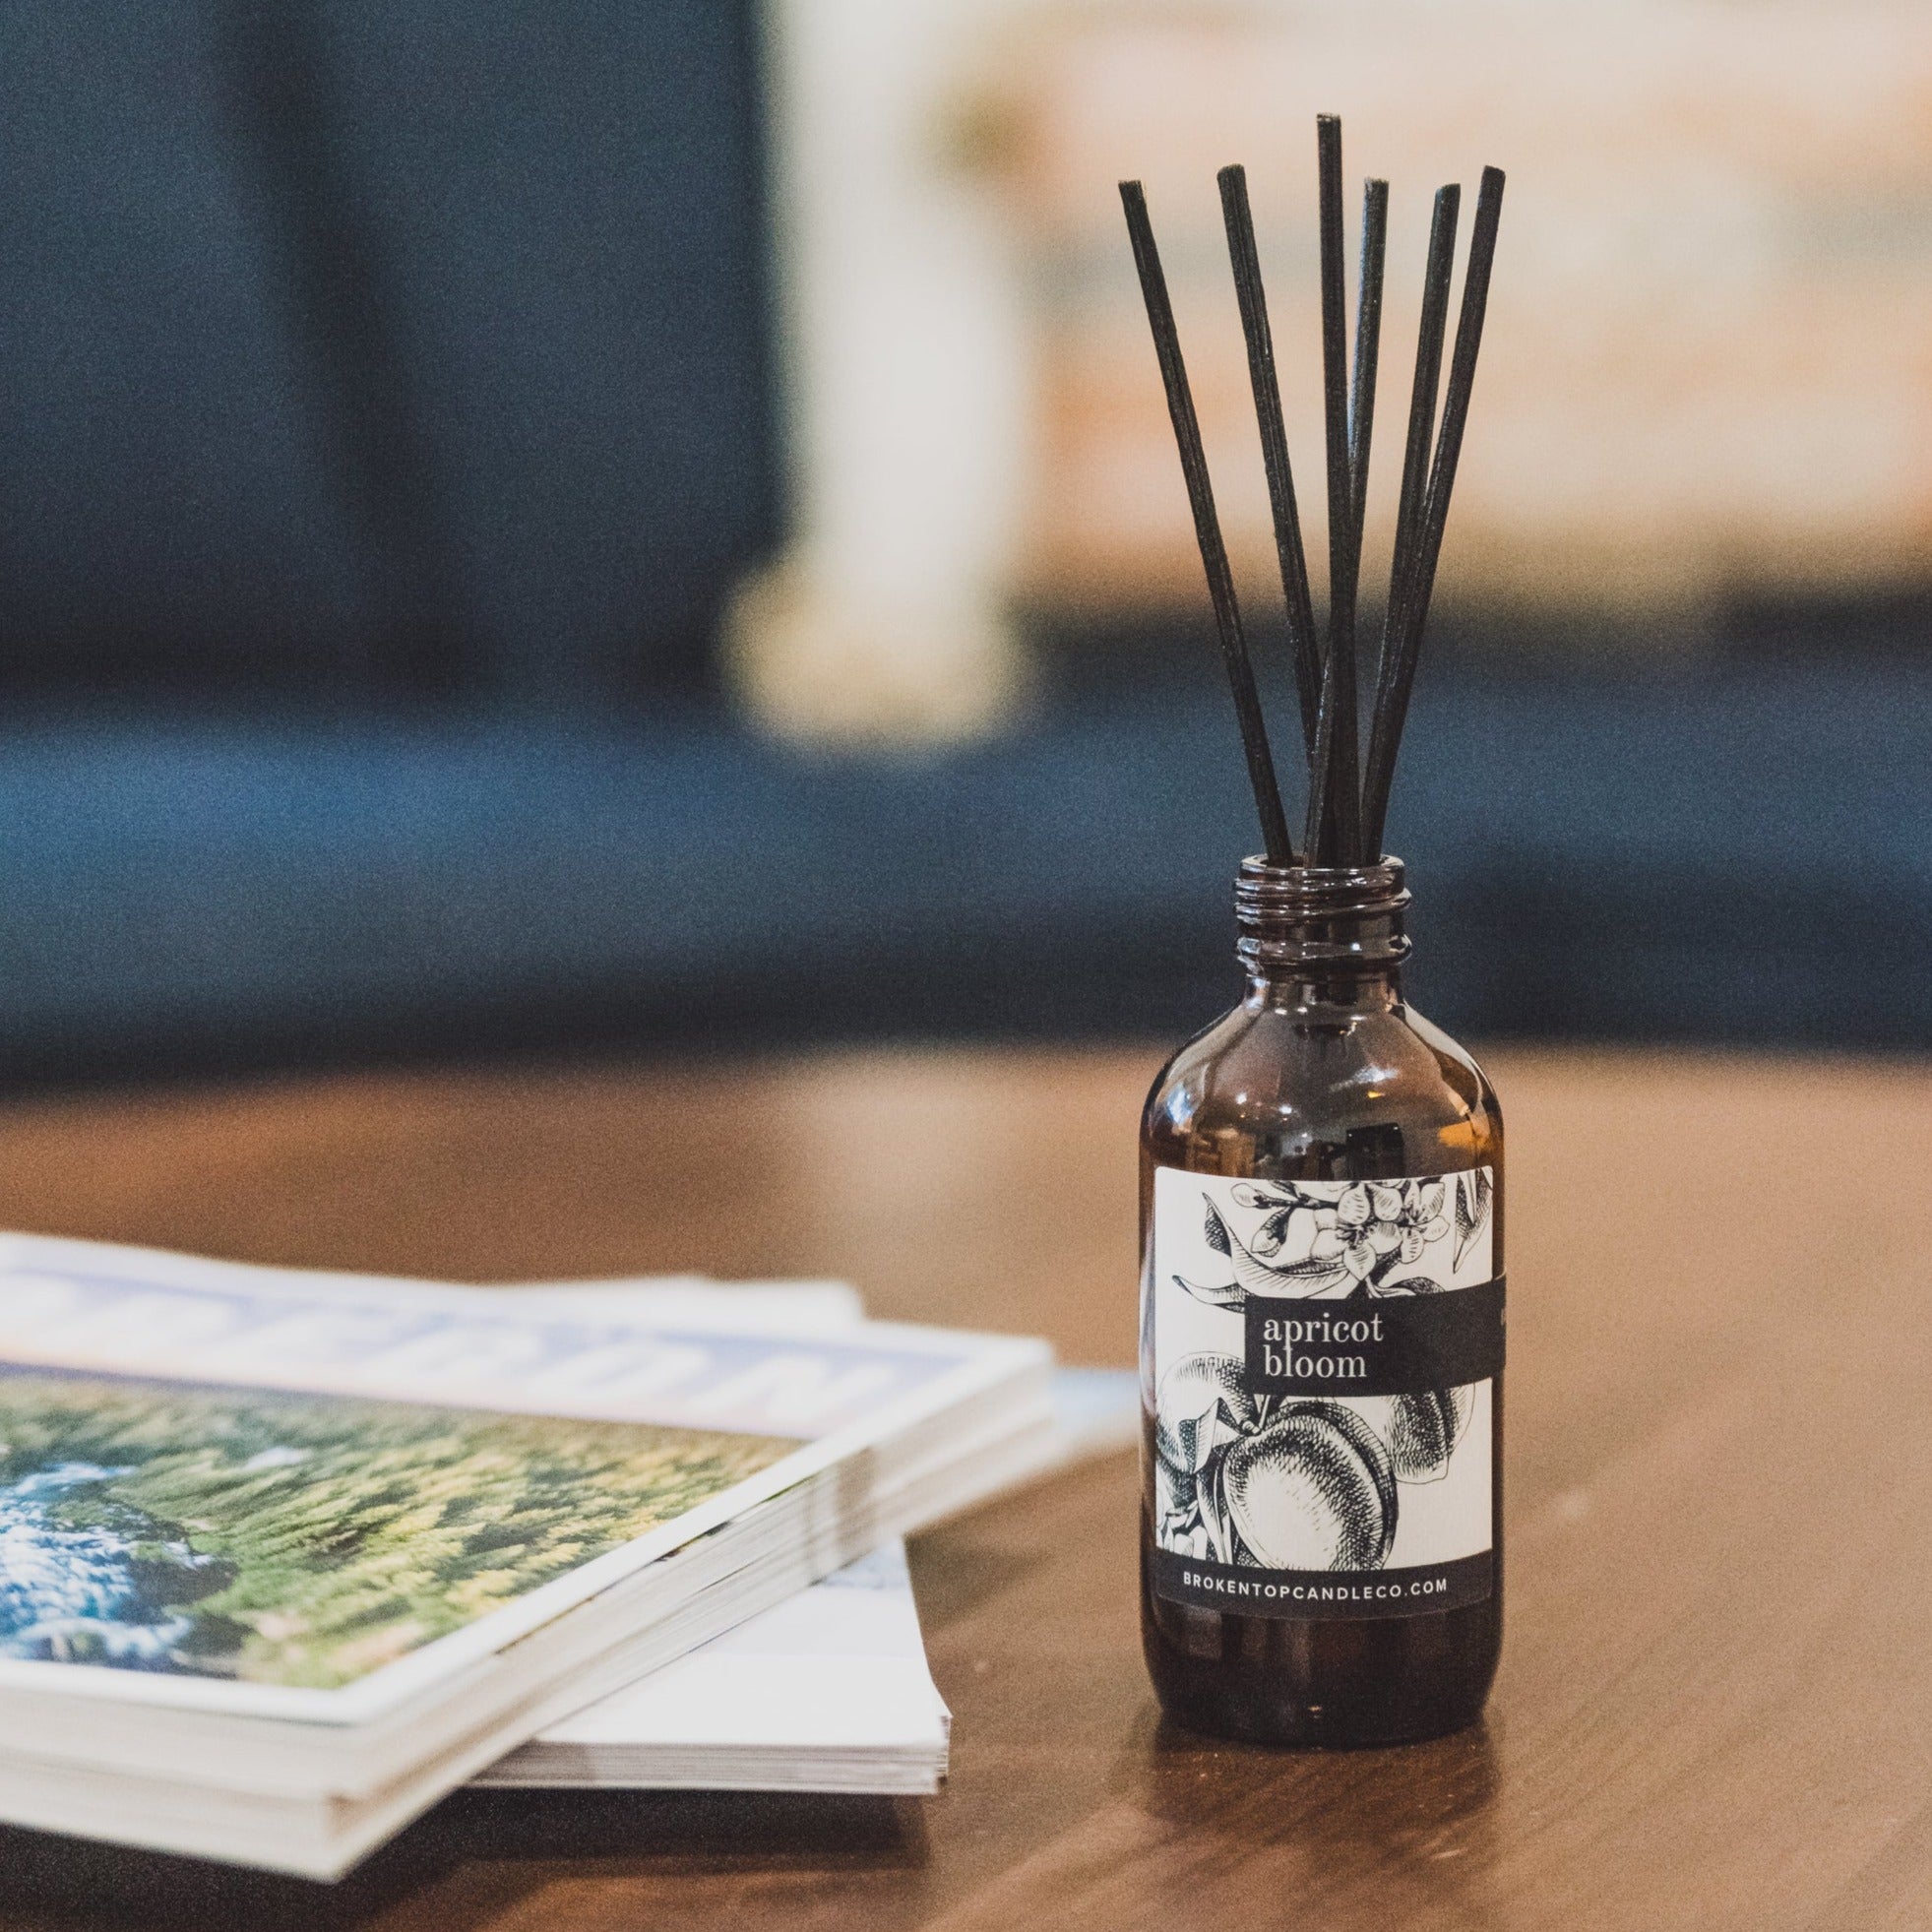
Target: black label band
[1392, 1344]
[1317, 1594]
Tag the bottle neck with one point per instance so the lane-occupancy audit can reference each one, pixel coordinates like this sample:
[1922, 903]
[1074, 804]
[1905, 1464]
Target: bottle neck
[1322, 935]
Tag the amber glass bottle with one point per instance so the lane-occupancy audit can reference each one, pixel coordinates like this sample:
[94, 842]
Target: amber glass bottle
[1322, 1341]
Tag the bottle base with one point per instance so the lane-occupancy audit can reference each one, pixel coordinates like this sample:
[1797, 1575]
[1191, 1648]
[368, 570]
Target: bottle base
[1322, 1685]
[1315, 1727]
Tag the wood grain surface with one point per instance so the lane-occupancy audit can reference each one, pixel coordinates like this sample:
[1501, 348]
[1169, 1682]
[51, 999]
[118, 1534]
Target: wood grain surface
[1715, 1702]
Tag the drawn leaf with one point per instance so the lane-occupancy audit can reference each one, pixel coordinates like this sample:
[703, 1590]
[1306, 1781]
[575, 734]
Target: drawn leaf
[1216, 1230]
[1422, 1434]
[1273, 1232]
[1248, 1194]
[1424, 1429]
[1473, 1198]
[1181, 1530]
[1214, 1432]
[1213, 1518]
[1409, 1284]
[1300, 1277]
[1230, 1296]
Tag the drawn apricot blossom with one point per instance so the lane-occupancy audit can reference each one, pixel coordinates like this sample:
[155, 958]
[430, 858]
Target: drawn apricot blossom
[1374, 1226]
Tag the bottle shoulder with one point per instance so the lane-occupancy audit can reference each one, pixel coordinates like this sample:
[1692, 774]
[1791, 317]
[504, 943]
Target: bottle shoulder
[1323, 1093]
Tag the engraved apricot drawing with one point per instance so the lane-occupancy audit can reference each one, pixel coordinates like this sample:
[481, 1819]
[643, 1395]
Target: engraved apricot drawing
[1202, 1406]
[1313, 1490]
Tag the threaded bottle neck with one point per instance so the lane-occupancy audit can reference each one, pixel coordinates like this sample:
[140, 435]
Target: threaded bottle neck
[1322, 924]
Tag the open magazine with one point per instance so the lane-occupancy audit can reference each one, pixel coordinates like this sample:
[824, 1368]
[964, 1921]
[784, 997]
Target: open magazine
[289, 1555]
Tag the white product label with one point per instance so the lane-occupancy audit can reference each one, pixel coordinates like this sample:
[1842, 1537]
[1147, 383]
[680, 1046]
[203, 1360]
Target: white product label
[1321, 1358]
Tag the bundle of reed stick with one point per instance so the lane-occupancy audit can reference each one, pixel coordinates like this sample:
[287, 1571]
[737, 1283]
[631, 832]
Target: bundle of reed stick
[1348, 787]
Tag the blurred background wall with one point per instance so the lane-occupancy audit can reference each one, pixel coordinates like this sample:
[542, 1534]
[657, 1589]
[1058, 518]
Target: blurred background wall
[1706, 370]
[656, 526]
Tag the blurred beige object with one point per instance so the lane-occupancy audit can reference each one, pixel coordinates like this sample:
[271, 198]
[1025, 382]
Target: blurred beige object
[815, 661]
[1706, 374]
[1707, 370]
[905, 336]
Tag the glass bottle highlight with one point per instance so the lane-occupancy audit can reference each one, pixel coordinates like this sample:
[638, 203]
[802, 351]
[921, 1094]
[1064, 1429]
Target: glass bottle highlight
[1322, 1341]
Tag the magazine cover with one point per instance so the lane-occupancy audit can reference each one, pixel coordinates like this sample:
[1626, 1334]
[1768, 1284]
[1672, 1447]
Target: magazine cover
[310, 1496]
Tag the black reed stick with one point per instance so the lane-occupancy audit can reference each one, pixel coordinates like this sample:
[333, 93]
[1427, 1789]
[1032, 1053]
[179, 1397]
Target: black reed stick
[1368, 347]
[1333, 798]
[1392, 700]
[1303, 638]
[1436, 278]
[1206, 526]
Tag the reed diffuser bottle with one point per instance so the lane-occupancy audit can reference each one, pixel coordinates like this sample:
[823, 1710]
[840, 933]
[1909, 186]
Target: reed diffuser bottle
[1321, 1177]
[1322, 1299]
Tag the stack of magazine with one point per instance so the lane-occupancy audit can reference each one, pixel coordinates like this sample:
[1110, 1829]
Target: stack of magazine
[287, 1556]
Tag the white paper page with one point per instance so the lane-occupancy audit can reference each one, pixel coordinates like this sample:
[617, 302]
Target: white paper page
[767, 1307]
[841, 1668]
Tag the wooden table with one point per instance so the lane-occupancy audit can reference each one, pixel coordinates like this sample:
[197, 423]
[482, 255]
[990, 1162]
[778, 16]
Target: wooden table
[1716, 1705]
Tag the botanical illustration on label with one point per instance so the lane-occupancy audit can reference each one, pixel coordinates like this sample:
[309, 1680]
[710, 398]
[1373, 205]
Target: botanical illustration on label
[1321, 1358]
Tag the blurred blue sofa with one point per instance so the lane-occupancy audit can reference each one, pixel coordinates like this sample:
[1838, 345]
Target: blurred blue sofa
[387, 409]
[1744, 861]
